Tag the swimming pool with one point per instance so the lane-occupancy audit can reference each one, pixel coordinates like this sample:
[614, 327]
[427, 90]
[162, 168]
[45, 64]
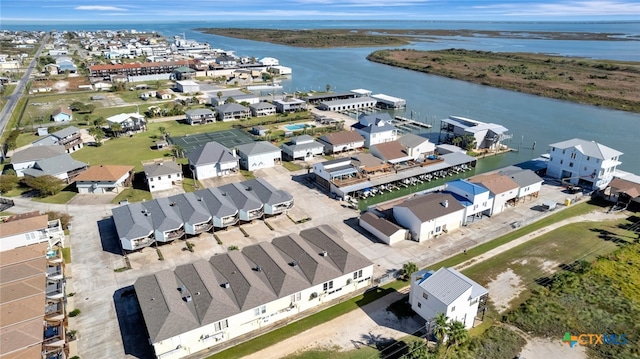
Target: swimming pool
[295, 127]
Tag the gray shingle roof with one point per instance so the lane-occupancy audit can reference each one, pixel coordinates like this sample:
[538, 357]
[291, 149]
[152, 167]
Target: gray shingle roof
[161, 168]
[168, 314]
[211, 152]
[67, 131]
[266, 192]
[257, 148]
[374, 123]
[164, 216]
[37, 153]
[199, 112]
[243, 198]
[54, 165]
[219, 206]
[522, 177]
[131, 221]
[385, 226]
[231, 107]
[411, 140]
[191, 210]
[588, 148]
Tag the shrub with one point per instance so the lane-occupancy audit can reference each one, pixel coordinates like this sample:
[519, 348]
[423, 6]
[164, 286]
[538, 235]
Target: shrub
[65, 218]
[74, 313]
[233, 248]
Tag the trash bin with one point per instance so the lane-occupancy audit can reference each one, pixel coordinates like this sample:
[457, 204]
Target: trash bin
[567, 202]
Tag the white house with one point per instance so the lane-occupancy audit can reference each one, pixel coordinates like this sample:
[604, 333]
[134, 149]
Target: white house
[383, 229]
[30, 228]
[257, 155]
[162, 175]
[289, 104]
[583, 163]
[104, 179]
[281, 70]
[487, 135]
[473, 197]
[416, 146]
[202, 304]
[262, 109]
[375, 128]
[449, 292]
[27, 158]
[528, 182]
[212, 160]
[392, 152]
[269, 61]
[341, 141]
[429, 215]
[200, 116]
[63, 167]
[502, 188]
[128, 121]
[302, 147]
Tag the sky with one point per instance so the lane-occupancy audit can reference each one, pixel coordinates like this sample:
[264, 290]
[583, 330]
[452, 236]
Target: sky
[135, 11]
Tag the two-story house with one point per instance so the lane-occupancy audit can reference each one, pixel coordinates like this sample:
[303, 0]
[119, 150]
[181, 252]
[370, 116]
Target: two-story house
[584, 163]
[449, 292]
[429, 215]
[212, 160]
[69, 137]
[503, 189]
[130, 122]
[475, 198]
[341, 141]
[375, 128]
[162, 175]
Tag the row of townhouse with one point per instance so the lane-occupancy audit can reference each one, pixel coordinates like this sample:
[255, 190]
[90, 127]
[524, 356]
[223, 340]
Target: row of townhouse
[462, 202]
[167, 219]
[203, 304]
[33, 288]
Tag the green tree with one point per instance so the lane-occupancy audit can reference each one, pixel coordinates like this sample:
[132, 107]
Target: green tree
[408, 269]
[8, 182]
[441, 328]
[457, 335]
[230, 100]
[45, 185]
[328, 87]
[98, 135]
[116, 128]
[178, 151]
[163, 131]
[65, 218]
[99, 121]
[418, 350]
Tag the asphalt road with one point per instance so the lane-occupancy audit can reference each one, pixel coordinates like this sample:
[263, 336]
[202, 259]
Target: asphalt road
[12, 102]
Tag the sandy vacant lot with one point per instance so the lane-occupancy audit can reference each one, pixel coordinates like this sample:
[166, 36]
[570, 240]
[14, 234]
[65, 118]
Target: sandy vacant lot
[506, 287]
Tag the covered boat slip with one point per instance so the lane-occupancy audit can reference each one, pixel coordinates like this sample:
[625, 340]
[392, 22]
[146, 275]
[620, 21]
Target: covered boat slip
[343, 187]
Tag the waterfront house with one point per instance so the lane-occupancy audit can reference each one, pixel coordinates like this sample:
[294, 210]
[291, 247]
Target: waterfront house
[348, 104]
[449, 292]
[529, 183]
[416, 146]
[502, 188]
[487, 136]
[341, 141]
[392, 152]
[375, 128]
[584, 163]
[475, 198]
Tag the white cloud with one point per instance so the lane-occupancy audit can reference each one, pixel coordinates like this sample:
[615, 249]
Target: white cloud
[99, 8]
[565, 8]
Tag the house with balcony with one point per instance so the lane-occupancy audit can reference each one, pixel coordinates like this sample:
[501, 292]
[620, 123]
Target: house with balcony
[449, 292]
[63, 167]
[162, 175]
[130, 122]
[165, 219]
[262, 109]
[475, 198]
[303, 147]
[27, 158]
[486, 136]
[392, 152]
[201, 305]
[416, 146]
[104, 179]
[502, 189]
[375, 128]
[529, 183]
[200, 116]
[289, 104]
[341, 141]
[69, 137]
[232, 112]
[583, 163]
[32, 287]
[430, 215]
[212, 160]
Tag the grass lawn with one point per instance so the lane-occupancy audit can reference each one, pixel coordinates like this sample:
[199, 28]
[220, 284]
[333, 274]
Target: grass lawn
[122, 151]
[60, 198]
[66, 254]
[364, 352]
[536, 260]
[248, 175]
[132, 195]
[291, 166]
[189, 184]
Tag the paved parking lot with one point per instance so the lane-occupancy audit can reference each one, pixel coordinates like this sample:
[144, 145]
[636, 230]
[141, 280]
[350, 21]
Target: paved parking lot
[109, 316]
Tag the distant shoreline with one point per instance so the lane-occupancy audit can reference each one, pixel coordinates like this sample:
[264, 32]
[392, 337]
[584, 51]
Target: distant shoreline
[606, 83]
[323, 38]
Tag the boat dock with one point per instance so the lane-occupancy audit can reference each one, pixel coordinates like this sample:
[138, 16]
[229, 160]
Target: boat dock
[407, 125]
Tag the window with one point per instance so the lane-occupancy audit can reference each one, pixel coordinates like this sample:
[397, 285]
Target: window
[563, 151]
[169, 176]
[260, 310]
[357, 274]
[151, 179]
[419, 305]
[561, 161]
[159, 178]
[153, 186]
[223, 324]
[585, 168]
[30, 235]
[295, 297]
[453, 309]
[425, 295]
[570, 164]
[484, 204]
[573, 156]
[588, 158]
[438, 229]
[328, 285]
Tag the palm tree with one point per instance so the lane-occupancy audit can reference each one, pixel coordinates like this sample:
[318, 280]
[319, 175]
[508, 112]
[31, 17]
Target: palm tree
[99, 122]
[163, 131]
[116, 128]
[328, 87]
[441, 330]
[457, 334]
[178, 151]
[219, 94]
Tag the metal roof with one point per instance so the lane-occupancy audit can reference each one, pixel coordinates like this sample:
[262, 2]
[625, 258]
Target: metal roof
[588, 148]
[447, 285]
